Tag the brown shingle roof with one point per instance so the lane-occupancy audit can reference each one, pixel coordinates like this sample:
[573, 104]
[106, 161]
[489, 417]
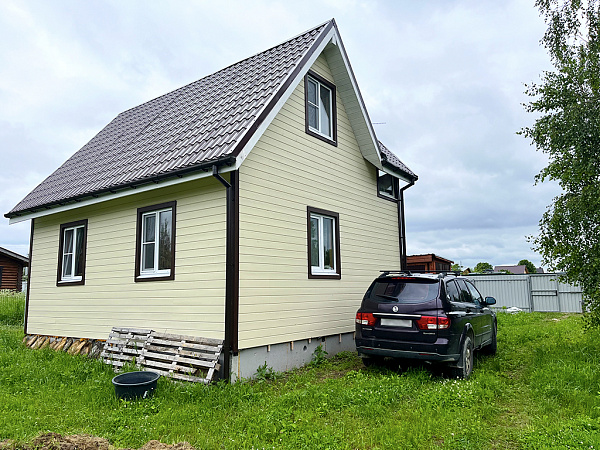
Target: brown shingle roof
[390, 158]
[194, 125]
[189, 129]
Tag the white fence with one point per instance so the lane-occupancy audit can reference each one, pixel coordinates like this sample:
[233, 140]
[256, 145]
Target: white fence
[535, 292]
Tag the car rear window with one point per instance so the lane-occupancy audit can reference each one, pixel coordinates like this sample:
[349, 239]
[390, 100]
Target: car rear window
[404, 290]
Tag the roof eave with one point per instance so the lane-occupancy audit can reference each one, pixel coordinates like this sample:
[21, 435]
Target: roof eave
[9, 254]
[117, 191]
[396, 171]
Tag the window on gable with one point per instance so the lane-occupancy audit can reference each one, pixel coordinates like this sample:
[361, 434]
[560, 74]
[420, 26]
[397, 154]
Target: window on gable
[71, 253]
[320, 108]
[155, 248]
[387, 186]
[323, 244]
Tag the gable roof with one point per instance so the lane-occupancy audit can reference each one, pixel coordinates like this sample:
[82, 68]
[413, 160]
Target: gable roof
[213, 121]
[24, 261]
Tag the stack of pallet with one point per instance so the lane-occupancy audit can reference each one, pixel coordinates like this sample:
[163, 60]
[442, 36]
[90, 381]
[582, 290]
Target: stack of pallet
[186, 358]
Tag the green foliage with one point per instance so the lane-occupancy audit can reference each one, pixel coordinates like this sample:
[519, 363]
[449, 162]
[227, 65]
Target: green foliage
[567, 105]
[457, 268]
[481, 267]
[265, 373]
[528, 265]
[319, 356]
[12, 307]
[541, 390]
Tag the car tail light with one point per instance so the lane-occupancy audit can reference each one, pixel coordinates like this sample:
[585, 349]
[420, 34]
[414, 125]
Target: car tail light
[433, 323]
[365, 319]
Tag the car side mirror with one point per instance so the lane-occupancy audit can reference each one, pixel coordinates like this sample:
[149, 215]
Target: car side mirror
[490, 301]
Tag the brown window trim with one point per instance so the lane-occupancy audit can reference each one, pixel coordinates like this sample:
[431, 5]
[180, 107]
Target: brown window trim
[59, 281]
[138, 241]
[338, 255]
[331, 86]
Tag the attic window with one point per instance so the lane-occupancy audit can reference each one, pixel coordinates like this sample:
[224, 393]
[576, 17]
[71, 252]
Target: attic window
[320, 108]
[387, 186]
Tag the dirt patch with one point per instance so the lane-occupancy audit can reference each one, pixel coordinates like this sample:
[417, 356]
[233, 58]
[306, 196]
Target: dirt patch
[54, 441]
[558, 319]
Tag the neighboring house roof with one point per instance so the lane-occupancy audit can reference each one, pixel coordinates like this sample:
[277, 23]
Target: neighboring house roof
[12, 255]
[428, 257]
[213, 121]
[517, 270]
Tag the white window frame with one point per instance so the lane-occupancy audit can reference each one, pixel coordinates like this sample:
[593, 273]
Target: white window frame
[395, 186]
[155, 272]
[71, 278]
[318, 107]
[320, 269]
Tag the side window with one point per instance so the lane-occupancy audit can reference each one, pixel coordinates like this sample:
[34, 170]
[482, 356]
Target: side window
[71, 253]
[475, 293]
[155, 243]
[320, 108]
[452, 291]
[387, 186]
[324, 259]
[464, 294]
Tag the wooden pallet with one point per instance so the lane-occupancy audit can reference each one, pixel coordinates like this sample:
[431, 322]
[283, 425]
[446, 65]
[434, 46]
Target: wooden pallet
[124, 346]
[185, 358]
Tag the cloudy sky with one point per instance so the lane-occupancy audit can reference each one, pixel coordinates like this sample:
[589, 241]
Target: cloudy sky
[442, 80]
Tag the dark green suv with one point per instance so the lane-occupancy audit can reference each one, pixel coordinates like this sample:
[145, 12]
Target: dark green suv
[429, 317]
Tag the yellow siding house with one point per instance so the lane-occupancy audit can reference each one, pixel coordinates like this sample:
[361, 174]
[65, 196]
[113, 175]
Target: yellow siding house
[254, 205]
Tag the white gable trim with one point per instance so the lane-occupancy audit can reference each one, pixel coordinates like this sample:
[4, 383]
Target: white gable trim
[284, 98]
[368, 145]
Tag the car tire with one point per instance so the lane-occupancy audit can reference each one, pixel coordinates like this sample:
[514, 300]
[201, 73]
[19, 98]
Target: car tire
[372, 361]
[492, 348]
[465, 362]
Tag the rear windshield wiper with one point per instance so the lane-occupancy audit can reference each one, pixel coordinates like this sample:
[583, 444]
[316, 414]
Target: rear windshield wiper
[388, 297]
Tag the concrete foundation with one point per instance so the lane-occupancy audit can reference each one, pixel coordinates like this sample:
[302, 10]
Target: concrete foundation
[287, 355]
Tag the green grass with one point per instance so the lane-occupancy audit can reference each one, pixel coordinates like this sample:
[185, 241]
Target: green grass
[542, 390]
[12, 307]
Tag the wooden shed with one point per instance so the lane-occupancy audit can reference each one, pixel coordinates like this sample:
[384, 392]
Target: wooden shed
[11, 269]
[427, 263]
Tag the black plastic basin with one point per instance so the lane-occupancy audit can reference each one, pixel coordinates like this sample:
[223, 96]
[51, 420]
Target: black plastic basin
[133, 385]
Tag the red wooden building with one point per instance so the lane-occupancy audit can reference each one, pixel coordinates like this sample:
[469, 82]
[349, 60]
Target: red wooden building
[427, 263]
[11, 269]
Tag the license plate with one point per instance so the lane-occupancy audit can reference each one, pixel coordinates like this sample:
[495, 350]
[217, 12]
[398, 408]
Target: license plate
[405, 323]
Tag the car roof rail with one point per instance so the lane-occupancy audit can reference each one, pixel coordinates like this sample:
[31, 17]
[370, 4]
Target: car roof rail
[446, 273]
[385, 273]
[441, 273]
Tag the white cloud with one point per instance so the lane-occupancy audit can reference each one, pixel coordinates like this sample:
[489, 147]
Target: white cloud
[445, 77]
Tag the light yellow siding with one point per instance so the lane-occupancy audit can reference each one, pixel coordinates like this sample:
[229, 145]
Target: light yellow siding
[191, 304]
[287, 171]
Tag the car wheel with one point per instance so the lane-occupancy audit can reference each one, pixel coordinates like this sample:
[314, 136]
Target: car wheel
[492, 348]
[466, 359]
[372, 361]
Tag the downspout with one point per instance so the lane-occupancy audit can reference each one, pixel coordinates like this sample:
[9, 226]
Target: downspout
[402, 225]
[230, 345]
